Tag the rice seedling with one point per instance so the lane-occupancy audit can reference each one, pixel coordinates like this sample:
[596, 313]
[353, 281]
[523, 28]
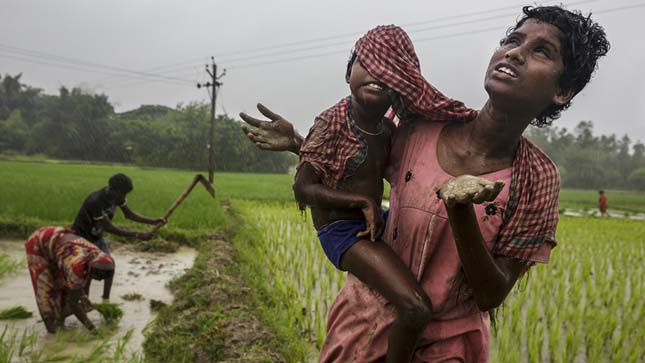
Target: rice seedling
[585, 305]
[15, 313]
[111, 312]
[299, 273]
[15, 346]
[7, 265]
[156, 305]
[133, 296]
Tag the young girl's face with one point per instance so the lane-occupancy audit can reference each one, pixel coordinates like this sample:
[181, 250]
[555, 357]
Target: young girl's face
[366, 89]
[525, 70]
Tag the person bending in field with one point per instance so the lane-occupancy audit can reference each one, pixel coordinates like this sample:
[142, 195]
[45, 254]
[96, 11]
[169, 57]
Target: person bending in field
[97, 211]
[61, 264]
[342, 165]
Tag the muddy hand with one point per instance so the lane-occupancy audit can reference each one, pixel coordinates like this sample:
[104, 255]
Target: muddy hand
[470, 189]
[275, 135]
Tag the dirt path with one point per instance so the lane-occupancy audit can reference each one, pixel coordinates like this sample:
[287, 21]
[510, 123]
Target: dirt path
[137, 272]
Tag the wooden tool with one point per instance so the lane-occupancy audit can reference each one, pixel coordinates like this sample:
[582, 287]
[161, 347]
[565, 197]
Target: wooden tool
[198, 179]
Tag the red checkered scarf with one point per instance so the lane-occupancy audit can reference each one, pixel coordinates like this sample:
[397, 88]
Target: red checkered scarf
[332, 143]
[388, 55]
[531, 216]
[334, 147]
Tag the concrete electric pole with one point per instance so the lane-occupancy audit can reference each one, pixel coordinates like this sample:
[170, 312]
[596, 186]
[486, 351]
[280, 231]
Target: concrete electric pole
[212, 86]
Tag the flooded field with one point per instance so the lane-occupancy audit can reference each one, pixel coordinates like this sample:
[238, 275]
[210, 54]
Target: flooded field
[611, 213]
[141, 273]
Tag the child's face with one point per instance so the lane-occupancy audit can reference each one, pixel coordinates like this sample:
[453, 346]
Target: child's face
[525, 70]
[366, 89]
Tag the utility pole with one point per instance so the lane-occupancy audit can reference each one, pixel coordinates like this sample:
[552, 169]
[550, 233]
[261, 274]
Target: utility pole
[214, 85]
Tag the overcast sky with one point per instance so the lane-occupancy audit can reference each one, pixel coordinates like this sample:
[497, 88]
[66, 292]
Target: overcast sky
[291, 54]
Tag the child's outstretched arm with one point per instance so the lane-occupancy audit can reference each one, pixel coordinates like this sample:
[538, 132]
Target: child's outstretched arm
[309, 190]
[277, 134]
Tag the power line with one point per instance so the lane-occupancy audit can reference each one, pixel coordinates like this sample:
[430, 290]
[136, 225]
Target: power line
[444, 36]
[354, 34]
[345, 51]
[344, 35]
[146, 75]
[633, 6]
[344, 43]
[168, 67]
[120, 82]
[66, 60]
[67, 66]
[435, 27]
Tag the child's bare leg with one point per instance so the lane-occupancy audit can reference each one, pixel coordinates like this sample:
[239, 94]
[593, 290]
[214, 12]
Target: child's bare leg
[375, 264]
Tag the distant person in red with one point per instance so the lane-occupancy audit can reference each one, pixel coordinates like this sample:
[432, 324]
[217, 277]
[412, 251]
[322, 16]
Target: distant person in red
[602, 204]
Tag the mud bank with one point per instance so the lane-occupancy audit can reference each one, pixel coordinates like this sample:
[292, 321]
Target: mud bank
[212, 318]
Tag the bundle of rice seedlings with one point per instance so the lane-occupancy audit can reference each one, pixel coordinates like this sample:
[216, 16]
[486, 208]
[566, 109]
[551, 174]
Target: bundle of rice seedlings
[111, 312]
[16, 312]
[155, 305]
[133, 296]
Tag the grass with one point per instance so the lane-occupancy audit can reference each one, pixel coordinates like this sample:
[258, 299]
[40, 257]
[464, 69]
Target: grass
[15, 313]
[52, 194]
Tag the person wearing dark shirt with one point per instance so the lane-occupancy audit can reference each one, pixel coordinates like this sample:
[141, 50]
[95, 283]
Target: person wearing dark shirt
[97, 211]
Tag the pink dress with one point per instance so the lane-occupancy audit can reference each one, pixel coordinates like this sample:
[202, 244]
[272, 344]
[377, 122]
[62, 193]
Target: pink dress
[419, 232]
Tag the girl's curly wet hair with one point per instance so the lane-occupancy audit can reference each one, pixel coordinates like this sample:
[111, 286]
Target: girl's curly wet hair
[583, 42]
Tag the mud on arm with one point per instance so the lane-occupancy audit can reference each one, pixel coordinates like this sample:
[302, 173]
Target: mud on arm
[490, 278]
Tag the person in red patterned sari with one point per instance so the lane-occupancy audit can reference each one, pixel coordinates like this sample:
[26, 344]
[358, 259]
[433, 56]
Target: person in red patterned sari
[466, 255]
[60, 265]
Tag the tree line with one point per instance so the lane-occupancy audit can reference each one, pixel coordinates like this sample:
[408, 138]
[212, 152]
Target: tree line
[79, 125]
[588, 161]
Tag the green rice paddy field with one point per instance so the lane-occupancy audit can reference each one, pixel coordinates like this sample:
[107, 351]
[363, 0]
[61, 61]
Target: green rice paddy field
[584, 306]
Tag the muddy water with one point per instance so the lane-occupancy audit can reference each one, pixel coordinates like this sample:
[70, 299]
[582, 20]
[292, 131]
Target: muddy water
[136, 272]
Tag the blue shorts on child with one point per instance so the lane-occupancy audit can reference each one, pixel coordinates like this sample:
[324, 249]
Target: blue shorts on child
[339, 236]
